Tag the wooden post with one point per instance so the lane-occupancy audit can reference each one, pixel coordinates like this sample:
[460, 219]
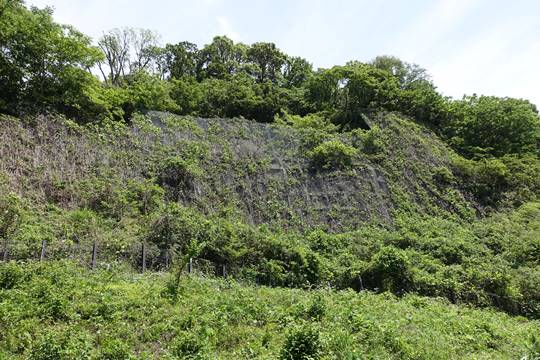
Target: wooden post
[190, 265]
[5, 252]
[43, 248]
[94, 255]
[224, 270]
[143, 255]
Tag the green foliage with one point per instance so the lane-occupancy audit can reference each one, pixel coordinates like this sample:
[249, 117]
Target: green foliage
[114, 349]
[493, 126]
[43, 65]
[311, 121]
[11, 210]
[400, 214]
[352, 90]
[443, 175]
[332, 154]
[147, 92]
[181, 59]
[302, 343]
[117, 314]
[507, 181]
[10, 275]
[369, 141]
[178, 176]
[389, 271]
[188, 346]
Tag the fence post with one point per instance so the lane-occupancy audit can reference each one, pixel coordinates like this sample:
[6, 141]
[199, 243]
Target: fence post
[94, 255]
[190, 265]
[5, 257]
[224, 270]
[143, 262]
[43, 248]
[167, 259]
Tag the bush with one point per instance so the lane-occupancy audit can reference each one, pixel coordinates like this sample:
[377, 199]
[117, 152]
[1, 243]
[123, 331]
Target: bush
[443, 176]
[332, 154]
[494, 126]
[11, 213]
[302, 343]
[114, 349]
[11, 274]
[187, 346]
[368, 141]
[389, 271]
[48, 348]
[177, 176]
[317, 309]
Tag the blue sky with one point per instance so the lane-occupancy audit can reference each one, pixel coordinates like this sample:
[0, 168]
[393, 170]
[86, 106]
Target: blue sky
[468, 46]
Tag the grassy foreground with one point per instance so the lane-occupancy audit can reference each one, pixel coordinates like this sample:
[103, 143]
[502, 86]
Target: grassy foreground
[58, 310]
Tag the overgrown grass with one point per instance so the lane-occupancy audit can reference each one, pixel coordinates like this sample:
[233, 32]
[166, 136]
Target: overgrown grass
[57, 310]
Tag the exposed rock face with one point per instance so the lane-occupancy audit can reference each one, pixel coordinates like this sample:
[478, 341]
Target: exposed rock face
[260, 172]
[269, 178]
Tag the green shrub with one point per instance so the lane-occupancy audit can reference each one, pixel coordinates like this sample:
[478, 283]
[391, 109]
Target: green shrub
[302, 343]
[485, 178]
[187, 345]
[178, 176]
[368, 141]
[332, 154]
[48, 347]
[443, 175]
[390, 270]
[317, 309]
[11, 274]
[11, 213]
[114, 349]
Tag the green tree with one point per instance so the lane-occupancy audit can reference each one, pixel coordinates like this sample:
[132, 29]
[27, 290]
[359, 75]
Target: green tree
[488, 125]
[406, 73]
[43, 65]
[421, 101]
[350, 91]
[126, 51]
[268, 60]
[145, 91]
[220, 59]
[296, 71]
[181, 59]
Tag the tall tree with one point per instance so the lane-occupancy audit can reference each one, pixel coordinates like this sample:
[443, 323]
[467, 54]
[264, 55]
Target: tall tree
[181, 59]
[126, 51]
[116, 48]
[145, 49]
[268, 60]
[296, 71]
[349, 91]
[495, 126]
[406, 73]
[43, 65]
[220, 59]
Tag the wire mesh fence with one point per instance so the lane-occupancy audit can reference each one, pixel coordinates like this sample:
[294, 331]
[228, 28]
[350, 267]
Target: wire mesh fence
[144, 257]
[94, 255]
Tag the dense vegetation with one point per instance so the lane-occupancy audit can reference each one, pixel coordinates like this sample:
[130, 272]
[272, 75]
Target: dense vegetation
[360, 186]
[62, 311]
[45, 66]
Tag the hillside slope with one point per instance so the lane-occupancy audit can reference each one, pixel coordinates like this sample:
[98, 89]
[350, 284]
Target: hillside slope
[262, 172]
[384, 209]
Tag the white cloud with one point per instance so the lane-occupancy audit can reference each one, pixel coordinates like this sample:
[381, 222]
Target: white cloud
[226, 28]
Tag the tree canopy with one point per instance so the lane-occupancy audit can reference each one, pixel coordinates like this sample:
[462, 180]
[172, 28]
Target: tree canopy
[45, 66]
